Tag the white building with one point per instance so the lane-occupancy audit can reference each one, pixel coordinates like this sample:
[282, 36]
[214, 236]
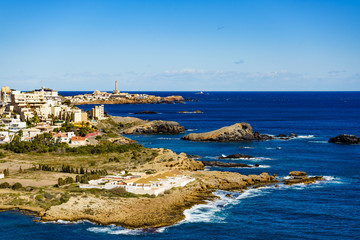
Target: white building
[12, 124]
[63, 137]
[5, 94]
[5, 137]
[98, 112]
[2, 175]
[149, 184]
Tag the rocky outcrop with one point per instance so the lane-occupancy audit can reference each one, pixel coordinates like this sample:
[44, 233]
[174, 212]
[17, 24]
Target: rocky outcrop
[298, 177]
[146, 112]
[345, 139]
[173, 99]
[237, 155]
[286, 137]
[155, 127]
[226, 164]
[238, 132]
[182, 162]
[297, 174]
[232, 180]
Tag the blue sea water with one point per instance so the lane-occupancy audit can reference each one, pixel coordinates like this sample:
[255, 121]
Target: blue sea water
[326, 210]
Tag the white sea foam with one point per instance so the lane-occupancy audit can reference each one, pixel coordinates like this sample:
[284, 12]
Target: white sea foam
[253, 159]
[254, 167]
[246, 147]
[248, 159]
[191, 130]
[305, 136]
[209, 212]
[114, 230]
[167, 138]
[264, 166]
[67, 222]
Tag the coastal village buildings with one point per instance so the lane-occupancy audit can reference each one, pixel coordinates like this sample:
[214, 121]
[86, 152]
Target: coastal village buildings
[45, 104]
[148, 184]
[5, 94]
[12, 124]
[44, 110]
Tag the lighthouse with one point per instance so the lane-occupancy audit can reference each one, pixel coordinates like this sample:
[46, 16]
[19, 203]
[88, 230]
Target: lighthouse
[116, 91]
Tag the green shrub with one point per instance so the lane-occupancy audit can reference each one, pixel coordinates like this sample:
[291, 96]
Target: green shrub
[5, 185]
[2, 155]
[16, 186]
[39, 197]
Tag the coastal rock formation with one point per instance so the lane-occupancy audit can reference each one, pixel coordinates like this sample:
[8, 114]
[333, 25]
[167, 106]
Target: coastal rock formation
[232, 180]
[297, 174]
[237, 155]
[168, 160]
[143, 212]
[173, 99]
[146, 112]
[155, 127]
[286, 137]
[224, 164]
[345, 139]
[238, 132]
[298, 177]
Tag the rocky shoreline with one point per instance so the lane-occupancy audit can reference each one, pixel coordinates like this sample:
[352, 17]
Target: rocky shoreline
[149, 212]
[227, 164]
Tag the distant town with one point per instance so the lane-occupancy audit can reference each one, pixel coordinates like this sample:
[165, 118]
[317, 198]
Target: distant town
[28, 114]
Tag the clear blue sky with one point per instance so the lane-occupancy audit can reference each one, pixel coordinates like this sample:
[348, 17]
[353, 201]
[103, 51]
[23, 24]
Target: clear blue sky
[174, 45]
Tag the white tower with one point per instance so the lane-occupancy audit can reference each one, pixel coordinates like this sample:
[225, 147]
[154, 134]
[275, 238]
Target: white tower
[116, 91]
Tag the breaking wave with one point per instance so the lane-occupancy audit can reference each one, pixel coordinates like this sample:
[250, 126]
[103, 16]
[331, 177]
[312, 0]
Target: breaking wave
[305, 136]
[115, 230]
[248, 159]
[213, 211]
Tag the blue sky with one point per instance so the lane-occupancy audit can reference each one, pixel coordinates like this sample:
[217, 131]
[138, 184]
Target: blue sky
[183, 45]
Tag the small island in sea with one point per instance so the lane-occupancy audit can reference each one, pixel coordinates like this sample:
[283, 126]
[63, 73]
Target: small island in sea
[62, 163]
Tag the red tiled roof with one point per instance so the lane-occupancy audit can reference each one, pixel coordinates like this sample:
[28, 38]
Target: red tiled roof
[77, 138]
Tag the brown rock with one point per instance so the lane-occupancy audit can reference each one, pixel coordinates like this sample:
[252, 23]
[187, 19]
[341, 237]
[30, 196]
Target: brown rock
[155, 127]
[297, 174]
[236, 132]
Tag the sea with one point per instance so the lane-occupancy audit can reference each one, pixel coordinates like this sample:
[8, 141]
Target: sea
[329, 209]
